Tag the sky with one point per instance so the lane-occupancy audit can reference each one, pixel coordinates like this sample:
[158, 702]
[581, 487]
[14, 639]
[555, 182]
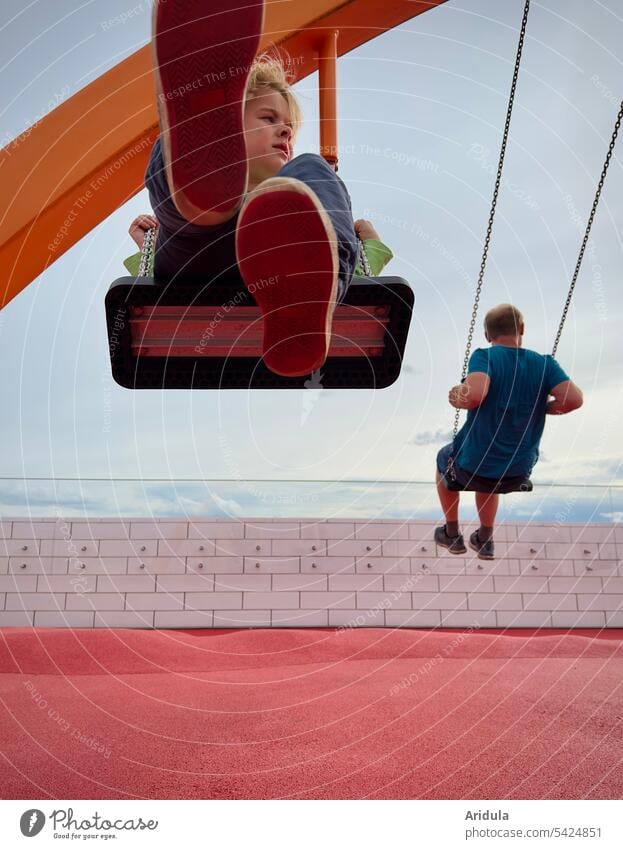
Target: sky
[421, 111]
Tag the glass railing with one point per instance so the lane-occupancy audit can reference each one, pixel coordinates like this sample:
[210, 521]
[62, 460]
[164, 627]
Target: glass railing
[353, 499]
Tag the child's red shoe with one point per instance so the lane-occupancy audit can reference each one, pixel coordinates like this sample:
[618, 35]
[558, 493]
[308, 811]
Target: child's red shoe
[287, 254]
[202, 51]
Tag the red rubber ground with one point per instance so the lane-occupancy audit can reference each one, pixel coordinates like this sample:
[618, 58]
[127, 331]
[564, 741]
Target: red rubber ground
[375, 713]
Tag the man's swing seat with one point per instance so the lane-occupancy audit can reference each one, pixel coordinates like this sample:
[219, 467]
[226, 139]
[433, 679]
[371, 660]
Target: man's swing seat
[456, 479]
[182, 336]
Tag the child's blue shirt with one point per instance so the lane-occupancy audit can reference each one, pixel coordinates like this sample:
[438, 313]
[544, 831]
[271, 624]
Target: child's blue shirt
[501, 437]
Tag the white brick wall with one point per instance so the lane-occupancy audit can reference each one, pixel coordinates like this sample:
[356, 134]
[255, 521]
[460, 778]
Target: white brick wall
[304, 573]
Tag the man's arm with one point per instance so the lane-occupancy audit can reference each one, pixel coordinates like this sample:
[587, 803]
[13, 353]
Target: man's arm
[567, 397]
[472, 392]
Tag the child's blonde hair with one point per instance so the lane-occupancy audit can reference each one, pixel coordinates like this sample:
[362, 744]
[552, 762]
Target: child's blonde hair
[268, 71]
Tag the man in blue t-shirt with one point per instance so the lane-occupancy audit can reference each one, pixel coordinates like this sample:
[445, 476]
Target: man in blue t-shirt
[507, 394]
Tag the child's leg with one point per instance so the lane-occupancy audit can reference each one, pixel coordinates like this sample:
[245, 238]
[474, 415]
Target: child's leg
[186, 251]
[481, 541]
[202, 52]
[287, 253]
[487, 506]
[315, 172]
[448, 536]
[449, 504]
[296, 237]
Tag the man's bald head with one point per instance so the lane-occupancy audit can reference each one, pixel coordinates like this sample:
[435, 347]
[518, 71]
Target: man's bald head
[503, 320]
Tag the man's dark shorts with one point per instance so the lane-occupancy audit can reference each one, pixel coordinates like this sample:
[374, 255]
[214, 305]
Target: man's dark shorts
[443, 459]
[472, 481]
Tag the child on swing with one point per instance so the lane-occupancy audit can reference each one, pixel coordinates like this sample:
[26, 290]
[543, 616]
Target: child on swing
[508, 392]
[230, 200]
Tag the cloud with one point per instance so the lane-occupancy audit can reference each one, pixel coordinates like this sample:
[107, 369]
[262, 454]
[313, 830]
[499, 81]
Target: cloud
[583, 469]
[428, 437]
[347, 500]
[226, 506]
[17, 499]
[616, 516]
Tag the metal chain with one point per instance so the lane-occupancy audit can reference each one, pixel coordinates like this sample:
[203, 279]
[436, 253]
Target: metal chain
[604, 170]
[147, 252]
[498, 180]
[365, 263]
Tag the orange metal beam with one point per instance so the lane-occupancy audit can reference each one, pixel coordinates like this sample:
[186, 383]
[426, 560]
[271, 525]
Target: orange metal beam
[67, 173]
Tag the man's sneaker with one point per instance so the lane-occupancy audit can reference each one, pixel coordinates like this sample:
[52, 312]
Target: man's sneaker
[485, 550]
[202, 51]
[455, 545]
[286, 249]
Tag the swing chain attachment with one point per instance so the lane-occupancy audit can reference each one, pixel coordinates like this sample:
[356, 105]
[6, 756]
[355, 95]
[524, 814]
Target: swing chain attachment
[365, 264]
[498, 180]
[147, 252]
[604, 170]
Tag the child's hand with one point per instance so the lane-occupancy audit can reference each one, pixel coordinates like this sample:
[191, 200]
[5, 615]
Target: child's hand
[365, 230]
[139, 227]
[458, 397]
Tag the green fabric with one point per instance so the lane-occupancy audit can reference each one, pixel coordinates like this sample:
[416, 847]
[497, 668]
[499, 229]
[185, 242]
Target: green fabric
[378, 256]
[132, 263]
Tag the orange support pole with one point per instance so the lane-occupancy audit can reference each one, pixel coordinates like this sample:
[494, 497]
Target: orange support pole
[327, 84]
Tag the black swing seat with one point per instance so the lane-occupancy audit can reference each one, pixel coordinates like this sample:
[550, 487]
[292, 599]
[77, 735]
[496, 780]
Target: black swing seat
[187, 336]
[476, 483]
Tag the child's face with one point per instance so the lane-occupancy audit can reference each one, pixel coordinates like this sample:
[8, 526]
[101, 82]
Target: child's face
[268, 135]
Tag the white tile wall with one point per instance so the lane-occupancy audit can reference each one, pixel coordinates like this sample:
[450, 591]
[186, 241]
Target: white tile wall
[304, 573]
